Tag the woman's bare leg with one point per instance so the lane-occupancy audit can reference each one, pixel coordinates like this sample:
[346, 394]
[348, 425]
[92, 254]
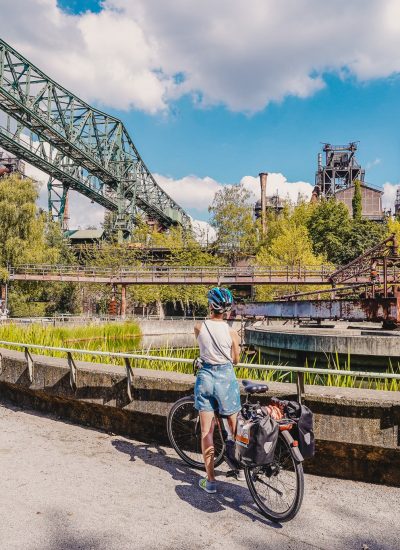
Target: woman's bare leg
[207, 423]
[232, 424]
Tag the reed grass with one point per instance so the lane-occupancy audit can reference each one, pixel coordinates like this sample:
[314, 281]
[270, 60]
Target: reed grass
[126, 337]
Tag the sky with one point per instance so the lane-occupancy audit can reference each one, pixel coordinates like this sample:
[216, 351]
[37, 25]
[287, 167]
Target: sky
[212, 93]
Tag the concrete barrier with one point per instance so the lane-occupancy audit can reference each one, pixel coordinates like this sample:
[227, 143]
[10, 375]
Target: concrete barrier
[366, 348]
[357, 431]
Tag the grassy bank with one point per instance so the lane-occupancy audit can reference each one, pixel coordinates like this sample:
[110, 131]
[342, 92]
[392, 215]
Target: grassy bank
[105, 337]
[126, 337]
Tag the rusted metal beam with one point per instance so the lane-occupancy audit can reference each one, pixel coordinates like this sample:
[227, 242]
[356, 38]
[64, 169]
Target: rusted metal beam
[363, 264]
[385, 310]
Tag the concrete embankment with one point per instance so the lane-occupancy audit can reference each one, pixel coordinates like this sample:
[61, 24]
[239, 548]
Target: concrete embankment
[357, 431]
[366, 348]
[150, 327]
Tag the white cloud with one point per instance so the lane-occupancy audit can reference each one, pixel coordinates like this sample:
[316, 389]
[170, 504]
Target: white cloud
[203, 232]
[191, 192]
[196, 194]
[144, 54]
[389, 195]
[372, 163]
[278, 184]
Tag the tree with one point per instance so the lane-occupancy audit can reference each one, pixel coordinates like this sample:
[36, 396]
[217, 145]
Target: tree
[364, 235]
[293, 248]
[357, 202]
[22, 227]
[24, 239]
[329, 226]
[232, 217]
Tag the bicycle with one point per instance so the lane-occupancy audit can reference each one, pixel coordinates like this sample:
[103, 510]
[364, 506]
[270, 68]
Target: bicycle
[277, 488]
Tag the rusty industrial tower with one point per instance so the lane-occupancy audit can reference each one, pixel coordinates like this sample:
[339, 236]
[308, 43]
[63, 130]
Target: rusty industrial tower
[337, 177]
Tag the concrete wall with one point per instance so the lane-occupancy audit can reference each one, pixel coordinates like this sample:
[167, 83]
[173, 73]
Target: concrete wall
[357, 430]
[172, 326]
[167, 326]
[300, 342]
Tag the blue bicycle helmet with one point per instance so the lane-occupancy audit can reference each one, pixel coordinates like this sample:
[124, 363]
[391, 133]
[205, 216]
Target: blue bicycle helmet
[220, 299]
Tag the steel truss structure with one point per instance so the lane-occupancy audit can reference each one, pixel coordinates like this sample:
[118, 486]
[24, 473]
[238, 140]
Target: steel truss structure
[340, 171]
[85, 149]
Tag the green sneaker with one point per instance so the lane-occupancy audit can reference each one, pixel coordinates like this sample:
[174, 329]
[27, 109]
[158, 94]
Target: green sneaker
[208, 486]
[239, 474]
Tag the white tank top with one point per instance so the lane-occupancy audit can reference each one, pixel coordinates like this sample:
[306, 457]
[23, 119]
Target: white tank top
[209, 352]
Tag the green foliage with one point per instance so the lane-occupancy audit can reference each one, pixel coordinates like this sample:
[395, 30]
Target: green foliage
[356, 202]
[183, 249]
[65, 298]
[337, 236]
[291, 246]
[104, 337]
[393, 226]
[125, 337]
[22, 228]
[232, 217]
[329, 226]
[364, 235]
[25, 300]
[27, 236]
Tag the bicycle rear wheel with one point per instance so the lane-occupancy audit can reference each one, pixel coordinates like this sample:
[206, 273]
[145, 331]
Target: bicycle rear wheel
[278, 488]
[183, 427]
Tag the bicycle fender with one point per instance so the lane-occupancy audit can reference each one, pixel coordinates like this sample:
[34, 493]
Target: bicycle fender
[293, 445]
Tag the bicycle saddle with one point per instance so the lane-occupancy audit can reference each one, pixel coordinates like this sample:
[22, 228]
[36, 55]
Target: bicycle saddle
[254, 387]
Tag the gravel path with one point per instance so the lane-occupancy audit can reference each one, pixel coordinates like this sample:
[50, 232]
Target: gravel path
[67, 487]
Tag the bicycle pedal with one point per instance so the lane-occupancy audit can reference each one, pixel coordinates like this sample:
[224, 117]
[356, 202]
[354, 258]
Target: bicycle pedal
[230, 473]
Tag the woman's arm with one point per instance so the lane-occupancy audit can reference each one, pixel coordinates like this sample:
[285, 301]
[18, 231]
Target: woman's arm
[235, 346]
[197, 328]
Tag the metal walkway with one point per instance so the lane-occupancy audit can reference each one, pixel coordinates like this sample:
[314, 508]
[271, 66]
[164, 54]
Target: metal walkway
[193, 275]
[85, 149]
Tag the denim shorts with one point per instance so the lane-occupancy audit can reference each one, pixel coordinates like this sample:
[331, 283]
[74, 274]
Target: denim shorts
[217, 389]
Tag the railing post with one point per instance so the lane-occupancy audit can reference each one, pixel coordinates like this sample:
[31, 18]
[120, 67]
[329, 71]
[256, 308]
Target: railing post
[300, 386]
[72, 371]
[129, 378]
[29, 362]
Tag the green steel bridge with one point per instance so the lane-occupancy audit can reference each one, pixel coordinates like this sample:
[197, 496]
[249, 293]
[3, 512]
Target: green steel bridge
[79, 147]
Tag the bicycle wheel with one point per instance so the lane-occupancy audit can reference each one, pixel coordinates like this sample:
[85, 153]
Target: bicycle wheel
[183, 427]
[278, 488]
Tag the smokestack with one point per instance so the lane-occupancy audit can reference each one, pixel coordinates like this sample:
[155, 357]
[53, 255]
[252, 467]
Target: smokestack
[263, 183]
[65, 223]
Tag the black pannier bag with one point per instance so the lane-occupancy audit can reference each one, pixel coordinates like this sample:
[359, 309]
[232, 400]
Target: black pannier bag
[255, 440]
[303, 427]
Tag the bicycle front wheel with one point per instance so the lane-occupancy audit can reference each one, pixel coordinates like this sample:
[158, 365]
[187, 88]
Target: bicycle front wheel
[277, 488]
[183, 427]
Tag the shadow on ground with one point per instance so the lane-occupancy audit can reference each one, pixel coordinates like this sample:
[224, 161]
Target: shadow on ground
[230, 495]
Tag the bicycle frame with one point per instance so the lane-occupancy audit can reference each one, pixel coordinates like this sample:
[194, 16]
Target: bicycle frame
[223, 424]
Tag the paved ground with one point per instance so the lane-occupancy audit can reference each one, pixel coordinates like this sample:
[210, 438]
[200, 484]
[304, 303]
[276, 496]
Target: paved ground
[66, 487]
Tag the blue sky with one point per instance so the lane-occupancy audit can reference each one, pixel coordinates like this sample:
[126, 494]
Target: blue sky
[283, 137]
[214, 93]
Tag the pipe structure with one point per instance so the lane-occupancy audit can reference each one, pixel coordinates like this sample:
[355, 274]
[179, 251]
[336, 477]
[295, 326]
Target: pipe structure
[263, 183]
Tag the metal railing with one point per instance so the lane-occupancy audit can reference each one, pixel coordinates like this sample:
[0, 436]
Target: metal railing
[128, 357]
[146, 274]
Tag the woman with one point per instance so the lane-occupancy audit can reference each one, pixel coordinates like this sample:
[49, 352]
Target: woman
[216, 385]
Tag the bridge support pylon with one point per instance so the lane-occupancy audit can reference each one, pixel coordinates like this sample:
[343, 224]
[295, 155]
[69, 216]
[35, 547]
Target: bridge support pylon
[123, 301]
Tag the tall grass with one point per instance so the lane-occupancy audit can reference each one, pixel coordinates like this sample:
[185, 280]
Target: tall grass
[125, 337]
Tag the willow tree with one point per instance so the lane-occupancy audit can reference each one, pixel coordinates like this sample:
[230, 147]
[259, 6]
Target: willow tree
[24, 239]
